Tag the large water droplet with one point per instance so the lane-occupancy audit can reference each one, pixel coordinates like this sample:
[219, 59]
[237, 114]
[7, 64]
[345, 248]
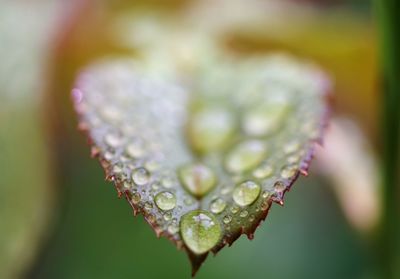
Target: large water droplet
[246, 193]
[245, 156]
[217, 206]
[265, 118]
[140, 176]
[200, 231]
[165, 201]
[210, 128]
[197, 179]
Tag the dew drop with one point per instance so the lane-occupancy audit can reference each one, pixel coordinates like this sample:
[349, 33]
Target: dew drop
[197, 179]
[217, 206]
[291, 147]
[265, 118]
[279, 186]
[263, 171]
[135, 149]
[165, 201]
[245, 156]
[288, 171]
[227, 219]
[135, 198]
[246, 193]
[140, 176]
[235, 209]
[244, 213]
[173, 229]
[167, 216]
[210, 128]
[112, 140]
[200, 230]
[148, 205]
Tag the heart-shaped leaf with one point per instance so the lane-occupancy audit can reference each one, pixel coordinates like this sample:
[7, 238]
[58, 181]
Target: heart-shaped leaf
[203, 159]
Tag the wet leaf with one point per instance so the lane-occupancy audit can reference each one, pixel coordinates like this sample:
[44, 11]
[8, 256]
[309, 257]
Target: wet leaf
[203, 156]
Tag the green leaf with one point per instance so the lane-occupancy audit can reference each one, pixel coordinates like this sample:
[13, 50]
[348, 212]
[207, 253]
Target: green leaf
[203, 155]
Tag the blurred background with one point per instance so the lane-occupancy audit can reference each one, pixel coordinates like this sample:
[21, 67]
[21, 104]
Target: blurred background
[60, 219]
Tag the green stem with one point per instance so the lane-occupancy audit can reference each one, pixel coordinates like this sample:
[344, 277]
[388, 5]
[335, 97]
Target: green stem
[388, 12]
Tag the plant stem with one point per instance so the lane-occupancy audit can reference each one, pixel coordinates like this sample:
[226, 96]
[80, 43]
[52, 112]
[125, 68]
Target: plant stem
[388, 12]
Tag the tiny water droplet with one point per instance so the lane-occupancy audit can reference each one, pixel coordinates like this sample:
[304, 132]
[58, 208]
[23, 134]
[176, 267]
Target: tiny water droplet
[165, 201]
[279, 186]
[135, 197]
[246, 193]
[244, 213]
[156, 185]
[112, 140]
[227, 219]
[140, 176]
[200, 230]
[265, 118]
[135, 149]
[167, 216]
[168, 182]
[235, 209]
[263, 171]
[148, 205]
[266, 194]
[264, 205]
[173, 229]
[217, 206]
[188, 201]
[210, 128]
[288, 171]
[245, 156]
[291, 147]
[252, 218]
[197, 179]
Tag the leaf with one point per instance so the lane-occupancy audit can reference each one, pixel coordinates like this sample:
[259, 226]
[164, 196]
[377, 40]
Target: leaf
[203, 156]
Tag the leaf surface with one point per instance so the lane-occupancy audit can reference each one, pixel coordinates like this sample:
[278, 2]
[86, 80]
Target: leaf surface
[203, 155]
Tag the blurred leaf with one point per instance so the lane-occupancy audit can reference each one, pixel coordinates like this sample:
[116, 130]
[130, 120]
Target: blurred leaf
[203, 159]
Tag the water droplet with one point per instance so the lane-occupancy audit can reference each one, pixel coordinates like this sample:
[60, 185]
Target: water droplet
[288, 171]
[217, 206]
[246, 193]
[173, 229]
[263, 171]
[117, 169]
[291, 147]
[140, 176]
[266, 194]
[244, 213]
[265, 118]
[227, 219]
[210, 128]
[279, 186]
[245, 156]
[265, 205]
[108, 156]
[200, 231]
[112, 140]
[188, 201]
[156, 185]
[252, 218]
[168, 182]
[167, 216]
[148, 205]
[197, 179]
[135, 149]
[135, 198]
[165, 201]
[235, 209]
